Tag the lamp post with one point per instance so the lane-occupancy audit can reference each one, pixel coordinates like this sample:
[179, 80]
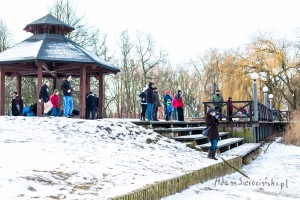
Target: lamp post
[254, 77]
[265, 90]
[271, 105]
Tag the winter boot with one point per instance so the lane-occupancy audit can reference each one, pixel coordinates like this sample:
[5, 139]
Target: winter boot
[209, 153]
[213, 155]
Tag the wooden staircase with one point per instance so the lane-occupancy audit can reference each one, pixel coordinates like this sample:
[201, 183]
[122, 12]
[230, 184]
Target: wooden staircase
[193, 138]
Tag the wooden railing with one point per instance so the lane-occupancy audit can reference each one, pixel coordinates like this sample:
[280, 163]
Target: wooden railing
[243, 110]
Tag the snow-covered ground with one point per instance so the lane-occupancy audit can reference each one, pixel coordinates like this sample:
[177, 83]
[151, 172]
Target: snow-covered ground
[62, 158]
[275, 175]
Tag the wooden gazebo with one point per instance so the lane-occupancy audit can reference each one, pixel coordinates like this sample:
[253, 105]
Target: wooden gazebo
[49, 54]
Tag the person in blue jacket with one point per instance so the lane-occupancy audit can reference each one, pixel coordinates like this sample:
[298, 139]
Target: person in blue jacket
[169, 110]
[166, 98]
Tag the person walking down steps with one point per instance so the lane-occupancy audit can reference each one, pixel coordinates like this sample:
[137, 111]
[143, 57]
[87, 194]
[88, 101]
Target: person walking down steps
[212, 123]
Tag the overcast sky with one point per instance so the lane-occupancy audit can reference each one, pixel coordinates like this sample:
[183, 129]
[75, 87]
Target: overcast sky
[183, 28]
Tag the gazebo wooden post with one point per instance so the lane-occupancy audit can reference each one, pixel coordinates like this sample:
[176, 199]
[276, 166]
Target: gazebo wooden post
[88, 82]
[19, 85]
[2, 90]
[54, 84]
[101, 95]
[82, 91]
[39, 85]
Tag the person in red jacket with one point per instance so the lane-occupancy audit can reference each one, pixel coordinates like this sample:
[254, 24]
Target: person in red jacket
[175, 115]
[179, 104]
[54, 98]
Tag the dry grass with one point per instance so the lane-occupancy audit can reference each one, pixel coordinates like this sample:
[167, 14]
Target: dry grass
[292, 132]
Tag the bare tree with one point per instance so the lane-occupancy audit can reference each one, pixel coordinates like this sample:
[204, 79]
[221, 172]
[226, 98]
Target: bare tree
[5, 36]
[147, 57]
[83, 34]
[207, 70]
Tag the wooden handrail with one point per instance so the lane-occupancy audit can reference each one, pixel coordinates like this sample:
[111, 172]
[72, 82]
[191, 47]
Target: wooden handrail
[264, 113]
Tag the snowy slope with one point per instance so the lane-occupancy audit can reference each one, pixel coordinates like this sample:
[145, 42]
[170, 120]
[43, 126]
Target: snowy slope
[275, 175]
[62, 158]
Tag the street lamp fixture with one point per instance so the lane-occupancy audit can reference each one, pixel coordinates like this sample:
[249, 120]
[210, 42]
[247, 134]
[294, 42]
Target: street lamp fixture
[265, 89]
[254, 76]
[271, 105]
[271, 101]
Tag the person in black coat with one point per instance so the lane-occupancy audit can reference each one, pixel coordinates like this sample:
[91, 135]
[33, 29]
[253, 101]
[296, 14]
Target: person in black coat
[16, 105]
[212, 123]
[149, 99]
[45, 97]
[142, 95]
[155, 104]
[91, 105]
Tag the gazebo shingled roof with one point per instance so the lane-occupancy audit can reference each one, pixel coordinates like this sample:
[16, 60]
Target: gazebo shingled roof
[48, 22]
[53, 48]
[48, 53]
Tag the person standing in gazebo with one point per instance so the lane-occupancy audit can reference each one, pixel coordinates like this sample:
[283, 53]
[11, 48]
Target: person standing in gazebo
[67, 92]
[45, 97]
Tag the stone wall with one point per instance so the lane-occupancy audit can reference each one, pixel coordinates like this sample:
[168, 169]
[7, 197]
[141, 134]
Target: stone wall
[171, 186]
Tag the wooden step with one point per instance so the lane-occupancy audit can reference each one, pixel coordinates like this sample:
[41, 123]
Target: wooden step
[173, 132]
[224, 145]
[242, 150]
[199, 137]
[247, 151]
[181, 129]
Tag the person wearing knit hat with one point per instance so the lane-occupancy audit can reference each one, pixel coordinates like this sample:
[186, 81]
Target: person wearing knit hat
[166, 98]
[210, 110]
[212, 123]
[218, 101]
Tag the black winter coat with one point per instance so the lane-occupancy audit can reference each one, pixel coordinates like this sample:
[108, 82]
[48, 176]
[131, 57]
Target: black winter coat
[91, 102]
[143, 98]
[44, 93]
[213, 132]
[15, 103]
[156, 102]
[149, 95]
[65, 86]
